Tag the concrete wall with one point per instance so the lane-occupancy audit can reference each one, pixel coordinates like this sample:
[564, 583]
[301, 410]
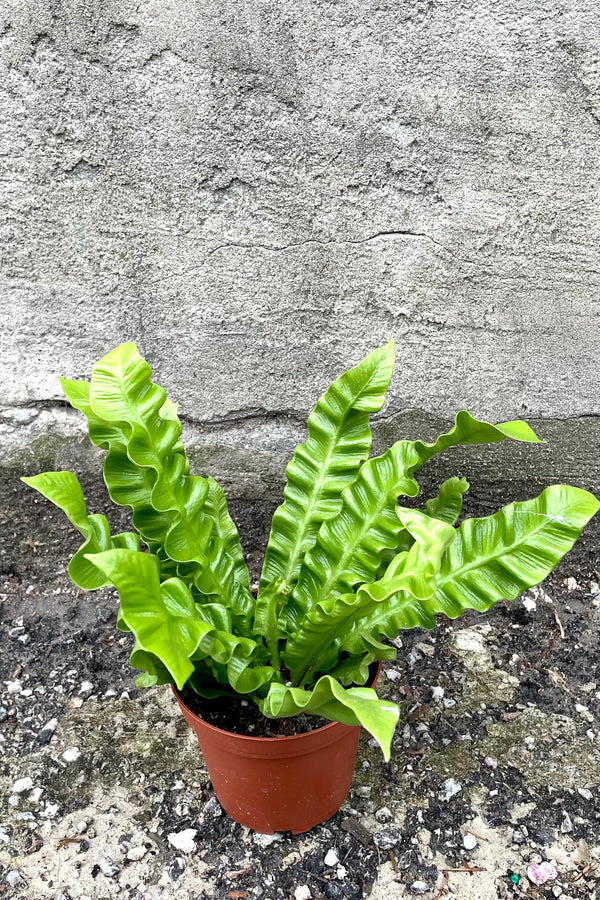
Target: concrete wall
[259, 193]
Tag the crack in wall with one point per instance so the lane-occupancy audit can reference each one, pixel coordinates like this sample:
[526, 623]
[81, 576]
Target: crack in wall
[274, 248]
[262, 414]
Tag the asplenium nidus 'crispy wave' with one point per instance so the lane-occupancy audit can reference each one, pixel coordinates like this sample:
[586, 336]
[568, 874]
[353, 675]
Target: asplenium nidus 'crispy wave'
[345, 566]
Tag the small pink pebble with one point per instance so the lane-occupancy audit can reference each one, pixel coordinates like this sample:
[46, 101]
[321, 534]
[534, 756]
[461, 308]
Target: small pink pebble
[542, 873]
[35, 795]
[75, 702]
[491, 761]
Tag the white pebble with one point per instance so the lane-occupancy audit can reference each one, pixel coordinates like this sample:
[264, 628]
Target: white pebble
[13, 687]
[587, 795]
[265, 840]
[341, 872]
[302, 892]
[469, 841]
[419, 887]
[51, 725]
[136, 853]
[183, 840]
[566, 825]
[331, 858]
[437, 694]
[451, 787]
[72, 754]
[393, 674]
[108, 867]
[50, 811]
[22, 785]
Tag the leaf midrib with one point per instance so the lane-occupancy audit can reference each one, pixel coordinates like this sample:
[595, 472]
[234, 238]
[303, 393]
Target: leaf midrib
[313, 497]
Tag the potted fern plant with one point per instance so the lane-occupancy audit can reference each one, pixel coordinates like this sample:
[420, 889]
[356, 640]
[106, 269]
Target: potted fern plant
[346, 567]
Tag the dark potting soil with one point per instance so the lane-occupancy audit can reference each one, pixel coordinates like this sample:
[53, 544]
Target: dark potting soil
[241, 716]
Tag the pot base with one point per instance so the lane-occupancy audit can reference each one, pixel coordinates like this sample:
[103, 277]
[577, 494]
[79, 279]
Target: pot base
[279, 783]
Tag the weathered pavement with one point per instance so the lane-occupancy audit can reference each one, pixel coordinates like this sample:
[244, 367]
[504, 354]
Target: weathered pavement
[496, 761]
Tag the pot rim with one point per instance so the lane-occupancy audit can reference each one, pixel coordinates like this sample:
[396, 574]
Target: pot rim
[331, 730]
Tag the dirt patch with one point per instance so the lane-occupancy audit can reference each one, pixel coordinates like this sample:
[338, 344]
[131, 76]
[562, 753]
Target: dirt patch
[240, 716]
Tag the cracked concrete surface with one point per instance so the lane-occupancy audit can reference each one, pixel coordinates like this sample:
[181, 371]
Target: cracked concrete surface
[259, 194]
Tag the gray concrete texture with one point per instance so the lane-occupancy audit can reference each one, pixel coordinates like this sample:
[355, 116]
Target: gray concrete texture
[260, 193]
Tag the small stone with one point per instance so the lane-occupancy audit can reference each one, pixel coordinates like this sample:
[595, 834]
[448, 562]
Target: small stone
[333, 890]
[35, 795]
[451, 787]
[469, 841]
[22, 785]
[82, 827]
[72, 754]
[302, 892]
[331, 857]
[587, 795]
[541, 873]
[437, 694]
[449, 702]
[571, 584]
[386, 839]
[341, 872]
[136, 853]
[265, 840]
[393, 675]
[14, 687]
[108, 867]
[363, 790]
[177, 869]
[491, 761]
[183, 840]
[3, 713]
[419, 887]
[75, 703]
[14, 878]
[566, 825]
[213, 808]
[529, 604]
[50, 811]
[45, 735]
[314, 864]
[85, 688]
[384, 814]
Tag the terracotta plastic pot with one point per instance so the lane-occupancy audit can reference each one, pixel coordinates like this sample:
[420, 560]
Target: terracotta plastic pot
[282, 783]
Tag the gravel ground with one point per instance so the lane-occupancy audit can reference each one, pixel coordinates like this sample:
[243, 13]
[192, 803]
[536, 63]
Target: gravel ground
[496, 763]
